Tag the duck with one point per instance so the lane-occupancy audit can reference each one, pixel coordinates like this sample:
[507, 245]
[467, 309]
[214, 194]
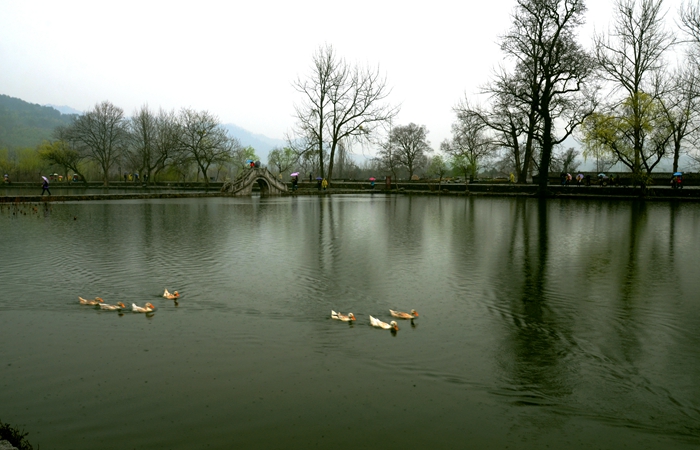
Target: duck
[402, 315]
[118, 307]
[173, 296]
[345, 318]
[387, 326]
[146, 308]
[84, 301]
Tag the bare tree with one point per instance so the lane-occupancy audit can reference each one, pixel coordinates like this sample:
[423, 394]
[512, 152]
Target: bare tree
[631, 57]
[153, 140]
[469, 140]
[204, 140]
[387, 159]
[410, 146]
[681, 106]
[340, 103]
[690, 21]
[513, 115]
[167, 142]
[102, 134]
[282, 159]
[566, 161]
[543, 43]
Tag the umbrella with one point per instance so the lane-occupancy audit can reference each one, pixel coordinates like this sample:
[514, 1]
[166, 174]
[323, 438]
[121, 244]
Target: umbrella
[601, 174]
[295, 174]
[319, 178]
[45, 179]
[678, 174]
[372, 179]
[579, 176]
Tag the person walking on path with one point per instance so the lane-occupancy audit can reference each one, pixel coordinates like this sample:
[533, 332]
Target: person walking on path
[324, 184]
[45, 186]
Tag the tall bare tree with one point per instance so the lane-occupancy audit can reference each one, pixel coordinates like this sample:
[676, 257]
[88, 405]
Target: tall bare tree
[167, 143]
[340, 103]
[681, 106]
[102, 134]
[410, 146]
[155, 141]
[387, 158]
[631, 57]
[513, 115]
[204, 140]
[556, 69]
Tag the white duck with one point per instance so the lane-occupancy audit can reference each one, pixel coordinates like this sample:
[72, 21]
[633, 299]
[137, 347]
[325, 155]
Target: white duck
[146, 308]
[118, 307]
[402, 315]
[84, 301]
[387, 326]
[345, 318]
[174, 296]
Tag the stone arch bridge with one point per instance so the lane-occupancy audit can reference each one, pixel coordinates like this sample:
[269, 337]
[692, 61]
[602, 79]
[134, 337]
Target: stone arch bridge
[243, 184]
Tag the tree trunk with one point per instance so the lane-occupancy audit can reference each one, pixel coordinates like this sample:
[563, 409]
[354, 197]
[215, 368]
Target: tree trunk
[542, 189]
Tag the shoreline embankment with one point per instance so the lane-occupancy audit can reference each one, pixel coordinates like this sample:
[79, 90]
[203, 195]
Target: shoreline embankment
[651, 193]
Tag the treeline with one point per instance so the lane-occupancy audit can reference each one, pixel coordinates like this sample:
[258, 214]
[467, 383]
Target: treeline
[105, 144]
[619, 96]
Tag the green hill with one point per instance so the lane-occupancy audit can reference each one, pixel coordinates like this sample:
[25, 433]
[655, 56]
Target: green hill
[25, 124]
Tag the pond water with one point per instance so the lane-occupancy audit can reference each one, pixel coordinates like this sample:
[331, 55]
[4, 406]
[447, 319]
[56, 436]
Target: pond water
[562, 324]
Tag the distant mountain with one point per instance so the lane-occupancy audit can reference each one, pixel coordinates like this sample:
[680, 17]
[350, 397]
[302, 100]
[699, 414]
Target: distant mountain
[262, 144]
[25, 125]
[65, 109]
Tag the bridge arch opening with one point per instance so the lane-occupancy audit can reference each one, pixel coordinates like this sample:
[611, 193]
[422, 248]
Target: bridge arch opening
[264, 186]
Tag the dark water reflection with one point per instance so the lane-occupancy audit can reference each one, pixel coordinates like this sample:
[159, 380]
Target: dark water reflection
[568, 324]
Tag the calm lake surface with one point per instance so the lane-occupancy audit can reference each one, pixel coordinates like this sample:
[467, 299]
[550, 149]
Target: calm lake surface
[565, 324]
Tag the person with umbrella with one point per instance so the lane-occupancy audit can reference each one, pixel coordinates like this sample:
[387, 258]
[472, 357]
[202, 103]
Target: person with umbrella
[371, 182]
[677, 180]
[295, 180]
[45, 186]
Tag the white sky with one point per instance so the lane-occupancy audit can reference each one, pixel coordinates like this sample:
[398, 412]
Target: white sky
[238, 59]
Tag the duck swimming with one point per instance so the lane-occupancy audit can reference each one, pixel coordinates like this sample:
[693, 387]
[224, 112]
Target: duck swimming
[345, 318]
[84, 301]
[402, 315]
[387, 326]
[175, 295]
[146, 308]
[118, 307]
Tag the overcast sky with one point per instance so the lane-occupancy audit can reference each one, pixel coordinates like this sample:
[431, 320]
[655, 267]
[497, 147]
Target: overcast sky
[238, 59]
